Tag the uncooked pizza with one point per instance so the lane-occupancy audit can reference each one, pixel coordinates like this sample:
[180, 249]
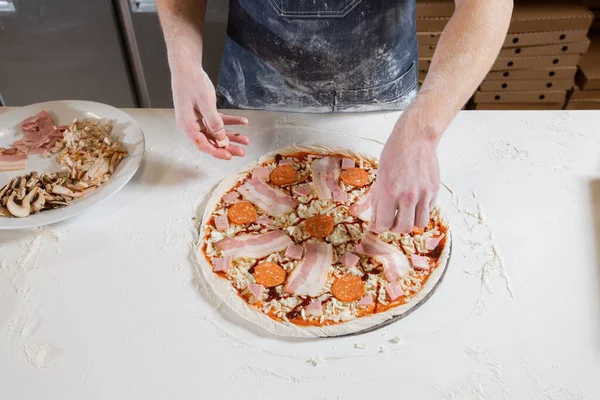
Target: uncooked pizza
[286, 244]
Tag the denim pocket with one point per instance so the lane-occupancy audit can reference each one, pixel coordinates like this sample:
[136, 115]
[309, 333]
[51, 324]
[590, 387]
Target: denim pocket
[315, 8]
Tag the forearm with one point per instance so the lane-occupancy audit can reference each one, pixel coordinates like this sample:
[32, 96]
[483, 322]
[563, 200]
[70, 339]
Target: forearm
[182, 23]
[466, 51]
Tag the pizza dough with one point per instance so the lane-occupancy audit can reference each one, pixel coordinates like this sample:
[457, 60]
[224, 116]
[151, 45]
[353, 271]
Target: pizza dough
[232, 273]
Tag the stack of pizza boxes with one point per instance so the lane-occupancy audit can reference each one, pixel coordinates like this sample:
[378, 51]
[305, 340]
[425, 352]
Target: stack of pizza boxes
[586, 93]
[538, 61]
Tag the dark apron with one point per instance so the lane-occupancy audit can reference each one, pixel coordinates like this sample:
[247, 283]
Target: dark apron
[319, 55]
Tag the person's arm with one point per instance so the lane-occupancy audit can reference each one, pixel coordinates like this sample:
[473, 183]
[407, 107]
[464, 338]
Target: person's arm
[409, 178]
[193, 93]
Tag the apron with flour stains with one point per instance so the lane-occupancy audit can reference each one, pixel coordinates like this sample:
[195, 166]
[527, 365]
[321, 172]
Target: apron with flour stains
[319, 55]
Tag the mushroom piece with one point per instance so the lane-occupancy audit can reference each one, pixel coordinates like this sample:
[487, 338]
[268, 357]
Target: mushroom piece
[38, 200]
[65, 191]
[7, 188]
[32, 180]
[20, 208]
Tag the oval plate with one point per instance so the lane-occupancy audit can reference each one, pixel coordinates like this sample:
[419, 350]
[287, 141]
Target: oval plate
[125, 129]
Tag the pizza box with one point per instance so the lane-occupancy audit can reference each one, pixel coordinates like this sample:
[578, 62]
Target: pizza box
[555, 96]
[578, 94]
[583, 105]
[561, 60]
[588, 76]
[542, 38]
[526, 85]
[538, 73]
[519, 106]
[434, 8]
[530, 16]
[546, 50]
[519, 39]
[426, 51]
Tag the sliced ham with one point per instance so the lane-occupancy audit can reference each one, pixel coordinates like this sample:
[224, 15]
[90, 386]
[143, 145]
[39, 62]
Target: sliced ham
[21, 146]
[365, 301]
[256, 290]
[420, 262]
[326, 174]
[348, 163]
[264, 220]
[254, 245]
[432, 243]
[294, 252]
[221, 223]
[340, 197]
[395, 263]
[272, 201]
[350, 259]
[393, 290]
[309, 277]
[302, 190]
[231, 197]
[221, 264]
[12, 160]
[314, 308]
[261, 173]
[285, 161]
[361, 208]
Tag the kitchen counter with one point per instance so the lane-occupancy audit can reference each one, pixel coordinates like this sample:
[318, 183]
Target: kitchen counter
[109, 304]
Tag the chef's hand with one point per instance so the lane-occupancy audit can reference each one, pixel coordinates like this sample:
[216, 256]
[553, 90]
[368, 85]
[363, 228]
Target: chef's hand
[408, 179]
[196, 113]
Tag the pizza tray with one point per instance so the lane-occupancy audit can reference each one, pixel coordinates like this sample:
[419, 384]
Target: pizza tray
[418, 305]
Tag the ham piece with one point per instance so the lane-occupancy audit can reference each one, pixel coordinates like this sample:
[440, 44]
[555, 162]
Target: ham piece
[395, 263]
[393, 290]
[256, 290]
[365, 301]
[231, 197]
[361, 208]
[221, 223]
[302, 190]
[326, 174]
[221, 263]
[308, 278]
[314, 308]
[350, 259]
[420, 262]
[272, 201]
[294, 252]
[40, 134]
[432, 243]
[348, 163]
[254, 245]
[261, 173]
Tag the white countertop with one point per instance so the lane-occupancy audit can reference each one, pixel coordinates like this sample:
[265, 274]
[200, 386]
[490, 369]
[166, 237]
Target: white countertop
[108, 304]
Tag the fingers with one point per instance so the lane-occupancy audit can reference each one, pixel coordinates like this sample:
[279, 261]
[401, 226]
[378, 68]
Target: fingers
[405, 219]
[205, 146]
[422, 212]
[384, 212]
[236, 150]
[213, 123]
[233, 119]
[238, 138]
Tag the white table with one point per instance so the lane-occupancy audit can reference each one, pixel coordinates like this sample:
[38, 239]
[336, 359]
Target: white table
[108, 305]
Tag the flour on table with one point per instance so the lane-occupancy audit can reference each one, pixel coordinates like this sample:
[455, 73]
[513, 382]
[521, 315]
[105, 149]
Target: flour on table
[41, 355]
[316, 361]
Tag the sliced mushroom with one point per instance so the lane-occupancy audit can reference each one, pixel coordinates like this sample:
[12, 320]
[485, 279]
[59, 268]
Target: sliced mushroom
[65, 191]
[7, 188]
[38, 200]
[21, 190]
[20, 208]
[4, 212]
[32, 180]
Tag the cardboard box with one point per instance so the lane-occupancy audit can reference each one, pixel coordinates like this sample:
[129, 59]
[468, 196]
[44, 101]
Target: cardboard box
[541, 73]
[519, 106]
[579, 94]
[562, 60]
[583, 105]
[519, 39]
[531, 17]
[546, 50]
[520, 97]
[426, 51]
[588, 76]
[433, 8]
[526, 85]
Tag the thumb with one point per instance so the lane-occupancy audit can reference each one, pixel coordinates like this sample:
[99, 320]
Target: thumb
[213, 122]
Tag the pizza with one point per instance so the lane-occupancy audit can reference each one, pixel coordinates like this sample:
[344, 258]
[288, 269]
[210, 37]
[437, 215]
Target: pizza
[286, 244]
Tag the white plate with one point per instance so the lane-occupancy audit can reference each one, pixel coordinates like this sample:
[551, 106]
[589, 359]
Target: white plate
[125, 129]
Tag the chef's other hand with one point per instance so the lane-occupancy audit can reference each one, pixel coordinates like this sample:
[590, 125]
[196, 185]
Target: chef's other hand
[407, 181]
[196, 114]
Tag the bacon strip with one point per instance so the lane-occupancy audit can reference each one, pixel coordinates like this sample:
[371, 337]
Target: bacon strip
[395, 263]
[361, 208]
[326, 174]
[12, 162]
[254, 245]
[272, 201]
[310, 275]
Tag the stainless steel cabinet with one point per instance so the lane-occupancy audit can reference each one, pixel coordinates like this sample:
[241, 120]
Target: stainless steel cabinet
[63, 49]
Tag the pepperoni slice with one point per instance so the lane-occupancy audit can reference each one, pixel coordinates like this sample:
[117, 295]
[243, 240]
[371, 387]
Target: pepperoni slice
[242, 213]
[348, 288]
[269, 274]
[319, 226]
[355, 177]
[284, 175]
